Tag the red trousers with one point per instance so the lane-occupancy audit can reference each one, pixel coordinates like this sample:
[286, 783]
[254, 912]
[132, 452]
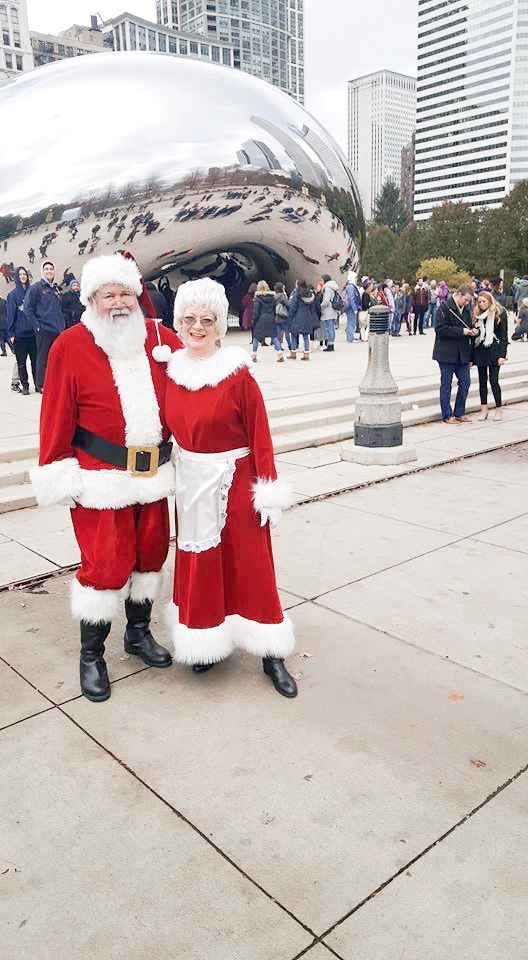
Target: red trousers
[113, 543]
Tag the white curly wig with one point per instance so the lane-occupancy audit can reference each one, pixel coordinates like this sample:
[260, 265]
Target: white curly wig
[109, 268]
[204, 293]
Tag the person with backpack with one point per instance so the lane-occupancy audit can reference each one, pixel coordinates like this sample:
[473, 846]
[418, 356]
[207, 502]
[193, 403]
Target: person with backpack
[282, 323]
[352, 300]
[331, 308]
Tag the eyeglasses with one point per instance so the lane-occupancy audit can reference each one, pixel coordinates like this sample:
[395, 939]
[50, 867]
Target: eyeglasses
[205, 322]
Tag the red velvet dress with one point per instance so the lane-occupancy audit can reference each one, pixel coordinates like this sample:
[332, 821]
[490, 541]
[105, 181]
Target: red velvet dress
[225, 596]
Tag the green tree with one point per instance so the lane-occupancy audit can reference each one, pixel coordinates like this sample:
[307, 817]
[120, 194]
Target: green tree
[388, 208]
[379, 256]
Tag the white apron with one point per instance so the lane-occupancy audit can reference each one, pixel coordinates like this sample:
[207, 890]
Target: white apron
[203, 482]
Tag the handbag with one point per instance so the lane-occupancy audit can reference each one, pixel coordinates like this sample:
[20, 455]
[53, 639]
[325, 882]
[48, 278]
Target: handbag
[281, 310]
[363, 318]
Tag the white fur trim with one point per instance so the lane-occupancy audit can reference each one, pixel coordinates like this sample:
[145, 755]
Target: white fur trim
[95, 606]
[109, 268]
[271, 495]
[195, 373]
[114, 489]
[216, 643]
[162, 353]
[133, 379]
[189, 645]
[144, 586]
[52, 482]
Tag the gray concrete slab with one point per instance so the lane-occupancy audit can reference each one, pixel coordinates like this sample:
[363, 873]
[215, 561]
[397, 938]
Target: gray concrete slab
[438, 602]
[94, 864]
[18, 699]
[319, 799]
[40, 641]
[506, 466]
[19, 563]
[324, 545]
[464, 898]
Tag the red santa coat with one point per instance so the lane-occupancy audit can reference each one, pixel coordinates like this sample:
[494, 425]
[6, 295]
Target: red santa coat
[225, 595]
[119, 400]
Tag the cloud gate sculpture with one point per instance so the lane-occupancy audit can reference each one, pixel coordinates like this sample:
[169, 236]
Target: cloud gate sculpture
[196, 169]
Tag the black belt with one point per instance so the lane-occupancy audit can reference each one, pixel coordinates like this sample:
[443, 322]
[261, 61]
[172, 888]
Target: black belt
[139, 461]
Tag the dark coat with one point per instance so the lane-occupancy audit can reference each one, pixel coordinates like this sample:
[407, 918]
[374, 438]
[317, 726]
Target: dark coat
[451, 344]
[246, 312]
[264, 315]
[43, 307]
[484, 356]
[72, 307]
[18, 324]
[304, 316]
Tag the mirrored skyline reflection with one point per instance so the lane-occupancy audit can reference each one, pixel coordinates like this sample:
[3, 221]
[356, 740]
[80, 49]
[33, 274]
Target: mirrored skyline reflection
[117, 129]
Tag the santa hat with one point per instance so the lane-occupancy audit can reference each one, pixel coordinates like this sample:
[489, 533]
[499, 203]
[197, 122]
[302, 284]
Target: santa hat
[109, 268]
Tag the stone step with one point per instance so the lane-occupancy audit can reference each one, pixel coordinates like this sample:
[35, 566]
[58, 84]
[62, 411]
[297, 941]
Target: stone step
[19, 448]
[16, 497]
[15, 471]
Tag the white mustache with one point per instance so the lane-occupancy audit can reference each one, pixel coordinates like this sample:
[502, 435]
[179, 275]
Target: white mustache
[118, 314]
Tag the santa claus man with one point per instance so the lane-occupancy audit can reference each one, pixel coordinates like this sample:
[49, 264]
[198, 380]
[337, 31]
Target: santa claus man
[104, 453]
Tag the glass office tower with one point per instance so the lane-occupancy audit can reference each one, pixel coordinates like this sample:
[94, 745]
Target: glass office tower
[267, 34]
[472, 102]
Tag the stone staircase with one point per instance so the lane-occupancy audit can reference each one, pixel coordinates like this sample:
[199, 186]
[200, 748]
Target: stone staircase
[306, 421]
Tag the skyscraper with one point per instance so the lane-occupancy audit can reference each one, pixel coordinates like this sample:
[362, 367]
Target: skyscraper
[267, 34]
[472, 102]
[381, 118]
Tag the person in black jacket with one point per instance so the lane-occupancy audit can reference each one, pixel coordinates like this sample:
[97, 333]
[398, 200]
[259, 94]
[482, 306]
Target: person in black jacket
[20, 331]
[491, 345]
[454, 338]
[42, 307]
[72, 308]
[264, 324]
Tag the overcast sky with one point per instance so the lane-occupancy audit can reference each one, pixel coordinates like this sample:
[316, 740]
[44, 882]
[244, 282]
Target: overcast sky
[341, 43]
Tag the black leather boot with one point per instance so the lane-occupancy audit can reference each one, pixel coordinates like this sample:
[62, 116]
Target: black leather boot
[94, 678]
[202, 667]
[281, 679]
[138, 638]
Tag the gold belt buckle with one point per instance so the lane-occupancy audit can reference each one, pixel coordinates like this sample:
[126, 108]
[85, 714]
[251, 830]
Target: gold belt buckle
[132, 461]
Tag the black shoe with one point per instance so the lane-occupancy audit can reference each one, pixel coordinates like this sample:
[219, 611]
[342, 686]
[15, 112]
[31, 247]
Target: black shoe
[329, 348]
[138, 638]
[25, 391]
[281, 679]
[94, 678]
[202, 667]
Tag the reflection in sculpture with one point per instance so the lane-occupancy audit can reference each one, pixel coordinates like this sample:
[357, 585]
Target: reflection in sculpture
[197, 169]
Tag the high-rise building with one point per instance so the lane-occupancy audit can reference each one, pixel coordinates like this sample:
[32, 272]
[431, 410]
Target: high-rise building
[381, 119]
[130, 32]
[267, 35]
[15, 43]
[472, 102]
[167, 13]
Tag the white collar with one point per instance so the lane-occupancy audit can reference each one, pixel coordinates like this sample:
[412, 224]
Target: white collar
[193, 373]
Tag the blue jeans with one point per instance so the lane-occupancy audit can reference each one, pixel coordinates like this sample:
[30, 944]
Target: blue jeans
[461, 371]
[351, 325]
[280, 328]
[330, 330]
[256, 341]
[295, 341]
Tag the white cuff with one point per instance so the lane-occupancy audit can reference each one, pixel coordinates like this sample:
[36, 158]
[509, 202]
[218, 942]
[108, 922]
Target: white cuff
[53, 482]
[271, 495]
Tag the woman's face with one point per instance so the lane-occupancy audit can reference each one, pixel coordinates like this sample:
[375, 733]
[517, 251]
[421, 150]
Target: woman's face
[198, 331]
[22, 275]
[482, 303]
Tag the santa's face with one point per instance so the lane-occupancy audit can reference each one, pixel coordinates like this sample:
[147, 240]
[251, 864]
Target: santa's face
[115, 302]
[198, 331]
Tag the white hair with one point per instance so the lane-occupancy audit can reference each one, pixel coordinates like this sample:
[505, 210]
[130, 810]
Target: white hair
[205, 293]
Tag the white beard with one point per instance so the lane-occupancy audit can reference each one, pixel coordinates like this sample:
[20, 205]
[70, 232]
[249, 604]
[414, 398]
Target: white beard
[121, 336]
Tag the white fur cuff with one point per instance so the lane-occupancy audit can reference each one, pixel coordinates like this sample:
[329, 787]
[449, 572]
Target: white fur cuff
[144, 586]
[55, 481]
[271, 494]
[94, 606]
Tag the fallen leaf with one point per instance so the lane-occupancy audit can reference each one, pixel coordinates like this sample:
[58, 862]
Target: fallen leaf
[478, 763]
[309, 776]
[9, 871]
[305, 656]
[455, 697]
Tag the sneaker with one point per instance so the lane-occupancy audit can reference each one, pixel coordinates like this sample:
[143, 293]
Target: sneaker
[15, 387]
[25, 391]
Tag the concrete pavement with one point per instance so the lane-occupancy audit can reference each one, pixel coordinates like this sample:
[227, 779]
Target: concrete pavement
[380, 815]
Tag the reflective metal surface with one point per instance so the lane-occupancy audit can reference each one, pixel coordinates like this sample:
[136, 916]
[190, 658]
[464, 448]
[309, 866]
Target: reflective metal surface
[197, 169]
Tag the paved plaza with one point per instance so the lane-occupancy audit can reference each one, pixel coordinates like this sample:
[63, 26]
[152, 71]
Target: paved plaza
[379, 816]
